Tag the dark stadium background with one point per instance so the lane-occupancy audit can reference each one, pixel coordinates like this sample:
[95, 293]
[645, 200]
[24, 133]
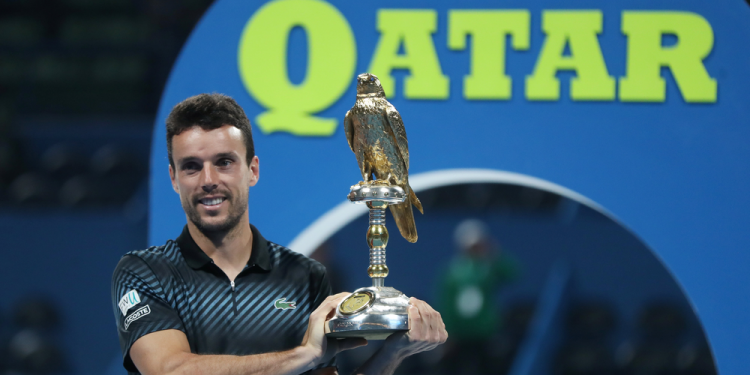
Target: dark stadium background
[80, 82]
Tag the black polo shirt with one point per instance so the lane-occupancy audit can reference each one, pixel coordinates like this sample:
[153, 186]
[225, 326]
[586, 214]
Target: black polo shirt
[177, 286]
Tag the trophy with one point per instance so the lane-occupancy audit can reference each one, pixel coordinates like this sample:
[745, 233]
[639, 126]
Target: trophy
[377, 137]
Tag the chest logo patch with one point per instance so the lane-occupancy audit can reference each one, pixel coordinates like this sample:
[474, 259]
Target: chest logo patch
[129, 300]
[281, 305]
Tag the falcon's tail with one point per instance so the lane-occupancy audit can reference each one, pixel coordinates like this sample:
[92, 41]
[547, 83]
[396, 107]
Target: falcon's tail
[415, 201]
[404, 216]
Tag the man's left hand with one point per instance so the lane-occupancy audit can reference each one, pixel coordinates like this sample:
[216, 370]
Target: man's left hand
[426, 331]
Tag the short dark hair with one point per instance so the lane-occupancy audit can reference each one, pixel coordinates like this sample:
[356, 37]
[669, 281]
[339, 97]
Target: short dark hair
[209, 111]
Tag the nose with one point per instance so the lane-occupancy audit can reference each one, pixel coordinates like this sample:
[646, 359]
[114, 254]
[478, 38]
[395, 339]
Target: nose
[209, 179]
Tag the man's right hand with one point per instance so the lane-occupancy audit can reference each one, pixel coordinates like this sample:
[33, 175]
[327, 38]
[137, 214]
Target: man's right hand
[315, 340]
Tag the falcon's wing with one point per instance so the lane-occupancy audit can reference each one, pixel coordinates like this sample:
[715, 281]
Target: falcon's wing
[349, 129]
[397, 125]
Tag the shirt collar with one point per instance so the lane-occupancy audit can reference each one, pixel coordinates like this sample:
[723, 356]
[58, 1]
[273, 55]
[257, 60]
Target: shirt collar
[196, 258]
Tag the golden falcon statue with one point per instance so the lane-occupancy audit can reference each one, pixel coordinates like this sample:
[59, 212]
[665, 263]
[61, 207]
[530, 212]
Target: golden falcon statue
[377, 137]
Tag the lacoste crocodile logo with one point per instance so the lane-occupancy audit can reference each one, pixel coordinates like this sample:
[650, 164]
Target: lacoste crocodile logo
[281, 305]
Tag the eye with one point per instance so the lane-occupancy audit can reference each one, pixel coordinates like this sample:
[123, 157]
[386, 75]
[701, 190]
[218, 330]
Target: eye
[225, 162]
[191, 167]
[372, 78]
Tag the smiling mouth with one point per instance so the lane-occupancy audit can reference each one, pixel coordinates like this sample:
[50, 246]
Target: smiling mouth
[209, 202]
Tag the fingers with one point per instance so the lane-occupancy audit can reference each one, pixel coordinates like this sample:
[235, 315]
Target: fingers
[443, 331]
[416, 323]
[437, 325]
[428, 323]
[428, 314]
[336, 298]
[426, 330]
[314, 337]
[316, 322]
[328, 306]
[418, 326]
[334, 301]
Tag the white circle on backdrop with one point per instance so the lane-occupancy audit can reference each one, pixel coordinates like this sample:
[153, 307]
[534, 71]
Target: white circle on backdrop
[345, 212]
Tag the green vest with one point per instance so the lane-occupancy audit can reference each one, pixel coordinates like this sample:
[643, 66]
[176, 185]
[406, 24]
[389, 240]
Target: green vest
[468, 295]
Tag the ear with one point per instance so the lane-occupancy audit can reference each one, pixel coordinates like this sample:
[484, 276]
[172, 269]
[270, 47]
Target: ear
[254, 170]
[173, 178]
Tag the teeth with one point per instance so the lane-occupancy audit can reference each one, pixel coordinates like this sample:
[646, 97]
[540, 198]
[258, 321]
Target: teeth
[212, 201]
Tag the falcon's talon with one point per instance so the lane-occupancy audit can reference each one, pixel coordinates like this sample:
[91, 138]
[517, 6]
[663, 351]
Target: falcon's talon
[380, 183]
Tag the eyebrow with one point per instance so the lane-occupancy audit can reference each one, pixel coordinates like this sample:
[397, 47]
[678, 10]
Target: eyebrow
[230, 155]
[221, 155]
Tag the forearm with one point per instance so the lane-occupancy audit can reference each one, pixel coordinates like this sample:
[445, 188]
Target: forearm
[292, 361]
[383, 362]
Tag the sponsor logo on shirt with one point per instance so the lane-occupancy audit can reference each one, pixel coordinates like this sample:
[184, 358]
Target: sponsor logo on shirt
[281, 305]
[137, 314]
[129, 300]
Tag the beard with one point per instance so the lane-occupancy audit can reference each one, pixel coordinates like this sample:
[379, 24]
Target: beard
[236, 210]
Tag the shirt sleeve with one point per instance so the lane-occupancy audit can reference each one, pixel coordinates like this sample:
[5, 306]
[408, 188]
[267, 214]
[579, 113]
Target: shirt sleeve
[139, 304]
[323, 291]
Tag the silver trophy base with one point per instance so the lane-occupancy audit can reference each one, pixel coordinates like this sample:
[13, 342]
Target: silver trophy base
[387, 314]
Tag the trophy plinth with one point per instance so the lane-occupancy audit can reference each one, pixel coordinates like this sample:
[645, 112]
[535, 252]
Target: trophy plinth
[374, 312]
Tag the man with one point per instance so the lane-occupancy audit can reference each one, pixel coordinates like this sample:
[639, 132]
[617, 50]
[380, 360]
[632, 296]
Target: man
[221, 299]
[468, 293]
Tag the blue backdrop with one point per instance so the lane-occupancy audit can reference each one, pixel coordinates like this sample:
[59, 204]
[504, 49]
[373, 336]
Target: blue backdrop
[673, 172]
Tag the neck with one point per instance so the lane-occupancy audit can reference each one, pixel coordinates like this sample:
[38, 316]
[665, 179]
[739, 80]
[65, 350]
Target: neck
[229, 250]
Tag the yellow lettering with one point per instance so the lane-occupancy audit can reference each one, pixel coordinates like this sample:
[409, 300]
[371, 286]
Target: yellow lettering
[262, 64]
[413, 28]
[579, 30]
[646, 56]
[488, 30]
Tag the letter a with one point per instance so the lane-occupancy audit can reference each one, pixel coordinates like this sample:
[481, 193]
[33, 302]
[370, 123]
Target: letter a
[579, 29]
[413, 28]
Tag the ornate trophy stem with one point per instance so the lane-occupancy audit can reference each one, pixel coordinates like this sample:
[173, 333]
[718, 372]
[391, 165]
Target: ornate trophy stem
[378, 311]
[377, 239]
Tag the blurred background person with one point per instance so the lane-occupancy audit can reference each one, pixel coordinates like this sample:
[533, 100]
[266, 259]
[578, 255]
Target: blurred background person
[467, 297]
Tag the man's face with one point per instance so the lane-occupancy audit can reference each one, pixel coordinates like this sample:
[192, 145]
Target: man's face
[212, 176]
